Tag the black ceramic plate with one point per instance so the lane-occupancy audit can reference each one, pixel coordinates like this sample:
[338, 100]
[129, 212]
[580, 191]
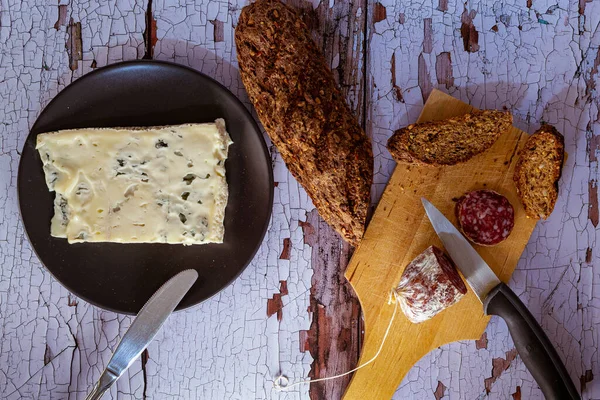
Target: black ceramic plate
[121, 277]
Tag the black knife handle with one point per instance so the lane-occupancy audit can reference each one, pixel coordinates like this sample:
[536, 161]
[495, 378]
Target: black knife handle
[531, 342]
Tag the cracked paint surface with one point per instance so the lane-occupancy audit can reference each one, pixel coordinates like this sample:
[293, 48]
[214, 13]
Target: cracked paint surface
[537, 58]
[52, 346]
[541, 71]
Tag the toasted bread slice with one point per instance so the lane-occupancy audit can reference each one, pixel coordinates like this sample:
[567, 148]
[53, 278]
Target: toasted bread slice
[449, 141]
[538, 170]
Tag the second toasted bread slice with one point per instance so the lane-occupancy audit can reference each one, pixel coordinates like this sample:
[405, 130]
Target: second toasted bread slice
[538, 170]
[449, 141]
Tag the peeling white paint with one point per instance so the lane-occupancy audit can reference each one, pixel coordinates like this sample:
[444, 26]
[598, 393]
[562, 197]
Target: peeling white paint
[53, 345]
[539, 72]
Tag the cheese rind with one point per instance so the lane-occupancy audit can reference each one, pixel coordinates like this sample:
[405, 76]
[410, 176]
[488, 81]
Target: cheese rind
[160, 184]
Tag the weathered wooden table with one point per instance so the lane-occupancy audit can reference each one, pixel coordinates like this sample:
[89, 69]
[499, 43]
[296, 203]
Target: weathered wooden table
[291, 310]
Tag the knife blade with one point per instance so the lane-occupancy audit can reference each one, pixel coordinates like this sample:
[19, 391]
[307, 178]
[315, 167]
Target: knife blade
[532, 344]
[477, 273]
[145, 326]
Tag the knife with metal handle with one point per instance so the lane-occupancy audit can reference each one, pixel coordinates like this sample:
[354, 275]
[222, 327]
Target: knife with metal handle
[534, 347]
[143, 329]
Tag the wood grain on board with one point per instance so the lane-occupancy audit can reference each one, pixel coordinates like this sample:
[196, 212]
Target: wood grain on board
[538, 60]
[400, 230]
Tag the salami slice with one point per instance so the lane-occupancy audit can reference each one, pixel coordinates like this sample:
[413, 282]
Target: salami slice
[429, 284]
[485, 217]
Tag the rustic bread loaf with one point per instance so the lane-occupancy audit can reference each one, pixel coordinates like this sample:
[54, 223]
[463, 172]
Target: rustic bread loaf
[304, 113]
[538, 170]
[449, 141]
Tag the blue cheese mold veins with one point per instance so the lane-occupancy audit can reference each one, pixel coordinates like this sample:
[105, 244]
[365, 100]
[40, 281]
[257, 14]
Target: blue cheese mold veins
[138, 185]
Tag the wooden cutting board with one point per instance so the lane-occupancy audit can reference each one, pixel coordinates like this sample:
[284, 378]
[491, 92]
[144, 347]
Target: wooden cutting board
[400, 230]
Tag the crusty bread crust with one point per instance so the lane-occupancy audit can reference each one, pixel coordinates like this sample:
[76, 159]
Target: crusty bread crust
[538, 171]
[449, 141]
[304, 113]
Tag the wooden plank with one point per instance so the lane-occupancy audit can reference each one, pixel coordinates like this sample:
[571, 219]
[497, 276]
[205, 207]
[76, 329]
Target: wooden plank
[400, 230]
[300, 249]
[539, 61]
[333, 339]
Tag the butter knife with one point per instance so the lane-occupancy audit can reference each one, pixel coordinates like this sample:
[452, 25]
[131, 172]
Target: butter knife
[143, 329]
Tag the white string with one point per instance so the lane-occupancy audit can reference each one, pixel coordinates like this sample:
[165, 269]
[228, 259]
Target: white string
[280, 382]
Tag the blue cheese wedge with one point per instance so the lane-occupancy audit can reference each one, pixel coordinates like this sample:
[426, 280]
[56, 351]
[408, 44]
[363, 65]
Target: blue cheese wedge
[138, 185]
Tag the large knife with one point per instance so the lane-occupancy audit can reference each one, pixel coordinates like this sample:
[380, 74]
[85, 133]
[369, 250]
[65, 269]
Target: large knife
[531, 342]
[143, 329]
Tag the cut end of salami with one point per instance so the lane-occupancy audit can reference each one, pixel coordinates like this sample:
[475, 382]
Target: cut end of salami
[429, 284]
[485, 217]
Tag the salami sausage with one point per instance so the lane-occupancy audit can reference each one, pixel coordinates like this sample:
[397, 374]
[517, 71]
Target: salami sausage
[485, 217]
[429, 284]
